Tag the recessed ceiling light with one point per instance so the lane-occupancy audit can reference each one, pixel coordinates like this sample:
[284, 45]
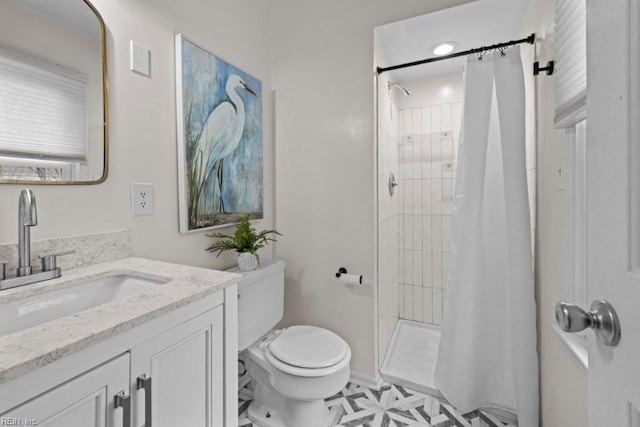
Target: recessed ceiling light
[444, 48]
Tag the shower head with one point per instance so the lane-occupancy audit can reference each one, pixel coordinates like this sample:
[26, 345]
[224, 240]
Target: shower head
[404, 90]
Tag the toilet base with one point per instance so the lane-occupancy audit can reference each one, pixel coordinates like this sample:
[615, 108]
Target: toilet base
[264, 417]
[271, 409]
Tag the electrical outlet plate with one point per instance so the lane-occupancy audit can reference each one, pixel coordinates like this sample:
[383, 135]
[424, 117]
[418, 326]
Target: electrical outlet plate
[141, 199]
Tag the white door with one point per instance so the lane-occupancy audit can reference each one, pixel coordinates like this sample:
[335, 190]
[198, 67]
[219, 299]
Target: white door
[613, 206]
[86, 401]
[182, 370]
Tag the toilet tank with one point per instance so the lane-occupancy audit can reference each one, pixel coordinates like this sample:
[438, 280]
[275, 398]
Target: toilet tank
[260, 300]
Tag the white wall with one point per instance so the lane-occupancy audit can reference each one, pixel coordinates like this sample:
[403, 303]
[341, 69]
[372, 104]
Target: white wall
[563, 381]
[325, 157]
[143, 127]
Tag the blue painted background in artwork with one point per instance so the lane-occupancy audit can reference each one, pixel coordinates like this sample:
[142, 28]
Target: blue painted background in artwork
[203, 84]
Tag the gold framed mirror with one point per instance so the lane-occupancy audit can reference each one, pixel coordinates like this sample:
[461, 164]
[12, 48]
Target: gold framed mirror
[53, 93]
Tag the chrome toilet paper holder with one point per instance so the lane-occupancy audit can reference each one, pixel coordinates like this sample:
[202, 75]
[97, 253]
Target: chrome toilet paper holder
[341, 271]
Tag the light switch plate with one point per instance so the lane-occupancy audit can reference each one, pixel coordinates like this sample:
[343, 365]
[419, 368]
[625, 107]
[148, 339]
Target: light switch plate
[140, 59]
[141, 199]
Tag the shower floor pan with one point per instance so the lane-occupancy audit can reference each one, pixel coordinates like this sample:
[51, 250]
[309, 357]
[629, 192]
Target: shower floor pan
[411, 357]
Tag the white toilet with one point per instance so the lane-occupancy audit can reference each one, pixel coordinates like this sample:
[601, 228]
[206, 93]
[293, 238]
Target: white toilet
[293, 369]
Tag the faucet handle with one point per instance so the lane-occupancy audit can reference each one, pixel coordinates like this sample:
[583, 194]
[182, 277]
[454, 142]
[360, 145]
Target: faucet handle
[49, 260]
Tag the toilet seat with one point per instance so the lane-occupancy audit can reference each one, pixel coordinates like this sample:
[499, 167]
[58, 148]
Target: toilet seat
[307, 351]
[308, 347]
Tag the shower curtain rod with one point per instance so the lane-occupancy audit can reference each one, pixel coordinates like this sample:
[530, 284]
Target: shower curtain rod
[531, 39]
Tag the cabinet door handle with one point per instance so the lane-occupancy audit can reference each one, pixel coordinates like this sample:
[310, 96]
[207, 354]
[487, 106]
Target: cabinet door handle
[123, 401]
[144, 382]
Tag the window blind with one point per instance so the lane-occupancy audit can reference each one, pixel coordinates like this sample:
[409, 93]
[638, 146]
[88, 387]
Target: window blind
[43, 109]
[571, 62]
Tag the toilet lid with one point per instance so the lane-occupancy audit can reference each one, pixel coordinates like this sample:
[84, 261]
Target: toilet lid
[308, 347]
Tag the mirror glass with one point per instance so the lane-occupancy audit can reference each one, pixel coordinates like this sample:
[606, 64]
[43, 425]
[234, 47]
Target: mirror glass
[53, 99]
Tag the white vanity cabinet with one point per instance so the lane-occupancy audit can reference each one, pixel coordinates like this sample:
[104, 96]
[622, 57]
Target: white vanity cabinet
[85, 401]
[179, 369]
[177, 377]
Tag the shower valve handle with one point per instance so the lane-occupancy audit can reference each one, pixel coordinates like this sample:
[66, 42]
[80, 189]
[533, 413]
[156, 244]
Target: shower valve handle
[602, 318]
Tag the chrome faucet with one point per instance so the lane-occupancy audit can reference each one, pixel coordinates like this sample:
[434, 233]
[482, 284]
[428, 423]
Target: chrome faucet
[27, 217]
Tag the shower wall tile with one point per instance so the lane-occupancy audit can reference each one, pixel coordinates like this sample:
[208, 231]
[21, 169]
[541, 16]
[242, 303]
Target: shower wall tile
[446, 232]
[401, 312]
[425, 153]
[427, 232]
[436, 196]
[426, 198]
[436, 159]
[417, 196]
[408, 301]
[445, 265]
[416, 121]
[437, 306]
[427, 156]
[436, 232]
[406, 121]
[417, 231]
[408, 199]
[427, 305]
[447, 158]
[408, 266]
[404, 159]
[407, 231]
[426, 119]
[400, 231]
[436, 269]
[417, 304]
[417, 268]
[427, 269]
[447, 196]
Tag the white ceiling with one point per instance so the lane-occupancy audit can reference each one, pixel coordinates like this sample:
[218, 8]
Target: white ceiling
[471, 25]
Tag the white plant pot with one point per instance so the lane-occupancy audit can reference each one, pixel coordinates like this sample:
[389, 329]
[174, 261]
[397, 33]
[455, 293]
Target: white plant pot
[247, 261]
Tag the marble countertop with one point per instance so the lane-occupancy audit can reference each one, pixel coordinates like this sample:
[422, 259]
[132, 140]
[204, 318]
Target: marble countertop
[32, 348]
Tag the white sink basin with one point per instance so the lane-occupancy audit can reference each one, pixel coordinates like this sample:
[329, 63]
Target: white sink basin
[27, 312]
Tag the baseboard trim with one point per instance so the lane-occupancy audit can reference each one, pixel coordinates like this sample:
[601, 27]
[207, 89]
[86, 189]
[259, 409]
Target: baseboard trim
[365, 380]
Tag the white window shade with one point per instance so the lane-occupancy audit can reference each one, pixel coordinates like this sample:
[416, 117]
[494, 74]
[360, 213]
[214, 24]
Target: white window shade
[570, 62]
[43, 109]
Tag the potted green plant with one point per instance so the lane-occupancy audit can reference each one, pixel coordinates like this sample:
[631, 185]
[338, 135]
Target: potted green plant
[245, 241]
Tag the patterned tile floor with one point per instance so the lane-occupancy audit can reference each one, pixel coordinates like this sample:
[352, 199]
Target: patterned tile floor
[391, 406]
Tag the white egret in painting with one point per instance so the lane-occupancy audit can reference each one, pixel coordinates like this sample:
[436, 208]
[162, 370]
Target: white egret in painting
[220, 136]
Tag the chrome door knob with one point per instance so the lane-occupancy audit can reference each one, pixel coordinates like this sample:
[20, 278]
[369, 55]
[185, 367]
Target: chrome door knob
[602, 318]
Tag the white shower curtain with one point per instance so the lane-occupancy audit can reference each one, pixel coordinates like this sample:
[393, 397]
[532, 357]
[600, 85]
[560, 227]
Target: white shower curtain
[487, 355]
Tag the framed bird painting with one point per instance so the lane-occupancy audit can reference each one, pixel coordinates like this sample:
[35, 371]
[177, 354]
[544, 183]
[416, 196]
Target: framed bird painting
[219, 133]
